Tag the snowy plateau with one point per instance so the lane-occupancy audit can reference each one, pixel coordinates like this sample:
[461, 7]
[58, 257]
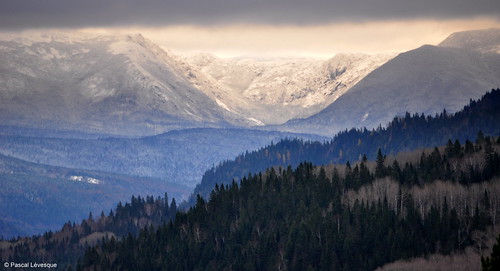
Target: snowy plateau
[126, 85]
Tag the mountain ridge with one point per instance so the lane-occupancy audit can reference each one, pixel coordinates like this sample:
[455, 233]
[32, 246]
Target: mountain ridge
[427, 79]
[486, 41]
[123, 84]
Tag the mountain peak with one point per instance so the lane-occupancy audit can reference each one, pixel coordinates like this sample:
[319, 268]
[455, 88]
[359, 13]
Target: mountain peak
[484, 41]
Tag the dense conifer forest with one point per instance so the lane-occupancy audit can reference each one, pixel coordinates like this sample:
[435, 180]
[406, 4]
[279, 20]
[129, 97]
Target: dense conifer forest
[66, 245]
[308, 219]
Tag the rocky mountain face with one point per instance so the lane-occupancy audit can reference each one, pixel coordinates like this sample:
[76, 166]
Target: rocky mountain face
[426, 80]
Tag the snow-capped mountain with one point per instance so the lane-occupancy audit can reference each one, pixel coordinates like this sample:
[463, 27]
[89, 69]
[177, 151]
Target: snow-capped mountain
[274, 90]
[128, 85]
[112, 84]
[125, 84]
[426, 80]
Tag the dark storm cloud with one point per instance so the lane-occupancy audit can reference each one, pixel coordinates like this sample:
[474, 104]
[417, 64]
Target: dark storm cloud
[89, 13]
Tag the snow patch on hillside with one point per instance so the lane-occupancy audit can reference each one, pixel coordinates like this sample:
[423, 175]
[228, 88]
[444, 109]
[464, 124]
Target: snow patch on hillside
[221, 104]
[83, 179]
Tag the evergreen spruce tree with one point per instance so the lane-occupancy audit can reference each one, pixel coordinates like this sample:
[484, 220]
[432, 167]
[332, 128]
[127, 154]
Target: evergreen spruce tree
[449, 149]
[380, 170]
[457, 149]
[492, 263]
[469, 147]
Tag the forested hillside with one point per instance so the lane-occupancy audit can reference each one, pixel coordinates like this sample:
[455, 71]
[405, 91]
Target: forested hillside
[352, 217]
[402, 133]
[35, 198]
[358, 215]
[68, 244]
[177, 156]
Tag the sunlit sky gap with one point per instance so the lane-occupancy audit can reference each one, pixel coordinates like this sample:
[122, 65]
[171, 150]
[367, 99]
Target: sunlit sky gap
[320, 41]
[229, 28]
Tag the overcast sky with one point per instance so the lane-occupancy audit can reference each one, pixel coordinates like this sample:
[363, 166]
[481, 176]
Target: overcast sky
[231, 27]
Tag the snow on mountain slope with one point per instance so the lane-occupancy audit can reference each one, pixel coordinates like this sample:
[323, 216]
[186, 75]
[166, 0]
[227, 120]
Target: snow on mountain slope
[128, 85]
[484, 41]
[274, 90]
[425, 80]
[114, 84]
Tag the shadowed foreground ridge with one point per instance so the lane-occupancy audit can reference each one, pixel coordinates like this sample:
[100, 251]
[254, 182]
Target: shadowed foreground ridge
[313, 218]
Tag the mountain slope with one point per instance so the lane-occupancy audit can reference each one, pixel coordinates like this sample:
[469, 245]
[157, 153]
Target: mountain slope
[274, 90]
[486, 41]
[428, 79]
[177, 156]
[37, 198]
[66, 178]
[113, 84]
